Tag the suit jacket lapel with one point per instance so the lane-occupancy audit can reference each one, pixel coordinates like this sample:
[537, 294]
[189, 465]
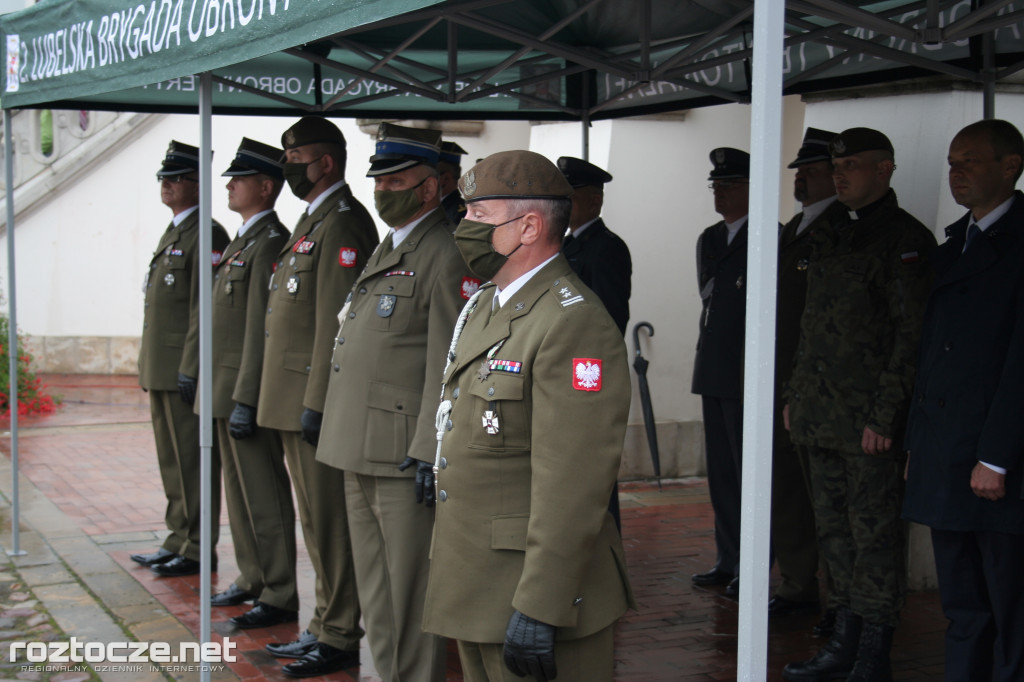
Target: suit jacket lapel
[986, 249]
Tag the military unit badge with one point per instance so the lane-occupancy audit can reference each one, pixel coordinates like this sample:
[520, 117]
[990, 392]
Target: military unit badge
[386, 305]
[586, 374]
[293, 284]
[169, 279]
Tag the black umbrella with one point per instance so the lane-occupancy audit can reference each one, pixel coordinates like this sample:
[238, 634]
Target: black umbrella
[640, 365]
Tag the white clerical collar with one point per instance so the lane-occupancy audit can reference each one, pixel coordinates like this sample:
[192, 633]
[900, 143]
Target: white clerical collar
[734, 228]
[503, 295]
[992, 216]
[812, 211]
[179, 218]
[579, 230]
[315, 204]
[398, 234]
[252, 221]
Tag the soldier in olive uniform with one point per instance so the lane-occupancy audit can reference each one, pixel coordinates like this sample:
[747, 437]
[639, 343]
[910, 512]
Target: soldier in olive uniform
[718, 366]
[793, 542]
[314, 272]
[382, 396]
[449, 168]
[527, 569]
[256, 486]
[169, 364]
[867, 285]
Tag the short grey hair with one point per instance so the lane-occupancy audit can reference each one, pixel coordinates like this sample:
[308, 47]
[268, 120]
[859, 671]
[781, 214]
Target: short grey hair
[554, 211]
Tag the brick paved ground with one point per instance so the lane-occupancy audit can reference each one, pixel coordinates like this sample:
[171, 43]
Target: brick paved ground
[94, 461]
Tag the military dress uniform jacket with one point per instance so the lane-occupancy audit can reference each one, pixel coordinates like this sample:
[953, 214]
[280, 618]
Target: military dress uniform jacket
[867, 286]
[240, 291]
[721, 278]
[968, 401]
[601, 259]
[315, 270]
[539, 399]
[385, 374]
[170, 328]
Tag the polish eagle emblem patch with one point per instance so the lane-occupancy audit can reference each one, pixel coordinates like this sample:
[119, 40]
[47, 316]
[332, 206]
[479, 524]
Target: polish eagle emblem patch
[347, 257]
[586, 374]
[469, 287]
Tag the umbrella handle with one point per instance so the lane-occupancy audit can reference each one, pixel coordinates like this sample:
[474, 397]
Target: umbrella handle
[636, 335]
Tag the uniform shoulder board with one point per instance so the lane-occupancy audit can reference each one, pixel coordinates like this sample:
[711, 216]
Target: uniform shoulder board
[273, 233]
[566, 293]
[343, 205]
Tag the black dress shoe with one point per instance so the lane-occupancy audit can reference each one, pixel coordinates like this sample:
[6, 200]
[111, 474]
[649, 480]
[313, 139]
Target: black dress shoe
[296, 649]
[179, 566]
[233, 596]
[263, 616]
[733, 588]
[322, 659]
[161, 556]
[715, 576]
[780, 606]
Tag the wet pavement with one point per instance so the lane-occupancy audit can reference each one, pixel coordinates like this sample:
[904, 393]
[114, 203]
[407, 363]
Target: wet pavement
[91, 496]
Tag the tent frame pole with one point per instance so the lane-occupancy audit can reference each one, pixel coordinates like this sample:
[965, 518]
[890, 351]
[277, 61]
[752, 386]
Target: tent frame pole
[205, 356]
[12, 338]
[759, 361]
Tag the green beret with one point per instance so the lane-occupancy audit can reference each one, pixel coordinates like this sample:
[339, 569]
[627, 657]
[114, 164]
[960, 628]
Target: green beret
[311, 130]
[514, 175]
[857, 140]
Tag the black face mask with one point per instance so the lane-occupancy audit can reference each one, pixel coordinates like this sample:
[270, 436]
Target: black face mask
[297, 179]
[474, 241]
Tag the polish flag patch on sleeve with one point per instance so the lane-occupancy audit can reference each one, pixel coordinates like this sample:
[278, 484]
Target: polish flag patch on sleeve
[586, 374]
[469, 287]
[347, 257]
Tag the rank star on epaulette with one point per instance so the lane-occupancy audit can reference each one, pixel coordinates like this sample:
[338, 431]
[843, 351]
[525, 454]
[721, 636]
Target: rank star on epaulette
[568, 296]
[343, 205]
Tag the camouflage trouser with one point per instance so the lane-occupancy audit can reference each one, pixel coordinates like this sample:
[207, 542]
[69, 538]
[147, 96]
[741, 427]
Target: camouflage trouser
[857, 501]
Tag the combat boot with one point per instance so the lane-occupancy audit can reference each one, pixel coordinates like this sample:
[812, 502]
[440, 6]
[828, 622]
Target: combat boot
[836, 659]
[873, 655]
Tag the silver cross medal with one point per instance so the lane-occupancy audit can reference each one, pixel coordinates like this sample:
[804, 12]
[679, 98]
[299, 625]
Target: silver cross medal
[490, 421]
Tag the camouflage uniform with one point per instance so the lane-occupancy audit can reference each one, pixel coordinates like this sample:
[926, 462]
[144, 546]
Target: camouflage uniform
[867, 286]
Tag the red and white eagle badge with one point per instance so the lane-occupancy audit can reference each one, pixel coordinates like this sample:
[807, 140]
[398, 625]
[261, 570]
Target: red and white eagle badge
[215, 257]
[347, 257]
[586, 374]
[469, 287]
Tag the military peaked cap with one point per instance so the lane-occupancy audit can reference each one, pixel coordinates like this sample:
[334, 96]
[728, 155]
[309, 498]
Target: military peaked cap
[814, 147]
[255, 157]
[580, 173]
[399, 148]
[452, 153]
[180, 159]
[729, 164]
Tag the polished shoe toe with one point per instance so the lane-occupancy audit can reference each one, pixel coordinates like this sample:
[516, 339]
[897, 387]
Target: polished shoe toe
[295, 649]
[263, 616]
[233, 596]
[715, 576]
[733, 588]
[780, 606]
[179, 566]
[161, 556]
[322, 659]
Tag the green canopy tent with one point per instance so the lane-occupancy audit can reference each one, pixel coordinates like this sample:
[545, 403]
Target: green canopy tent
[509, 59]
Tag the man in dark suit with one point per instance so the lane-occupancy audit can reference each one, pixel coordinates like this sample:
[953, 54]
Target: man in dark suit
[965, 434]
[449, 169]
[595, 253]
[793, 541]
[718, 367]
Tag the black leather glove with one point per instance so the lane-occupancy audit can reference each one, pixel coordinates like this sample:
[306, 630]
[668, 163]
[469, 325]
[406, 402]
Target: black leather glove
[530, 648]
[187, 388]
[242, 422]
[311, 421]
[425, 486]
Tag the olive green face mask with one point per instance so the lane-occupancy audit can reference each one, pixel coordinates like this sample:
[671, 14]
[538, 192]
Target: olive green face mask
[298, 181]
[396, 207]
[473, 239]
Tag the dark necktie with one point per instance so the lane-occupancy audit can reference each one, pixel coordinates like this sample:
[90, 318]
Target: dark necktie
[972, 231]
